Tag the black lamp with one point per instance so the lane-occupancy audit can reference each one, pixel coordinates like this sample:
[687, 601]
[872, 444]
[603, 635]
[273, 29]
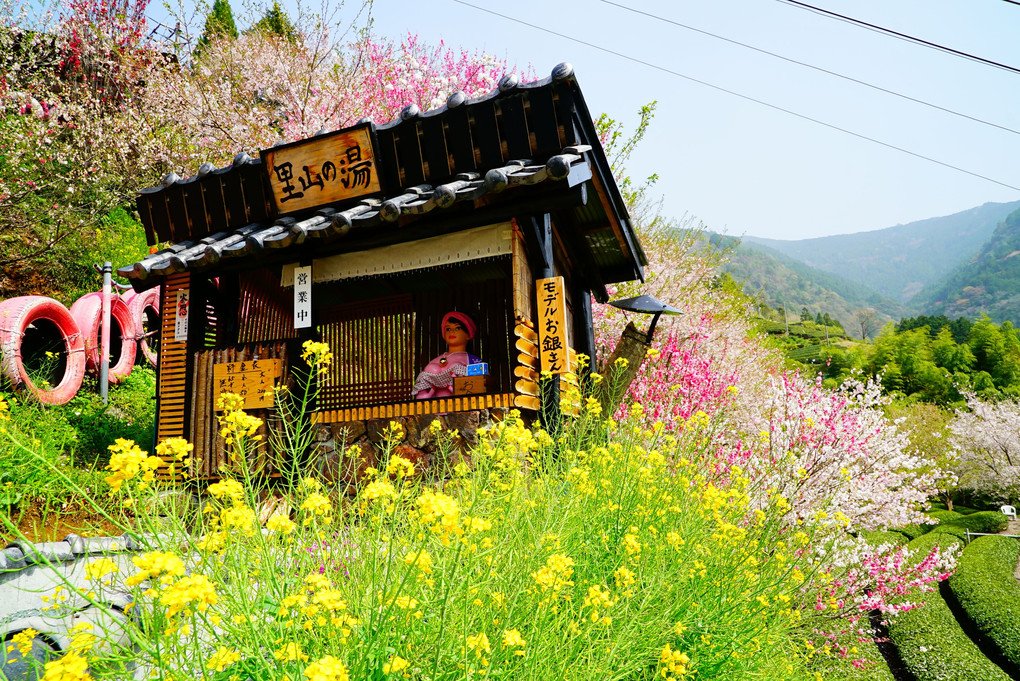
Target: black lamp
[646, 305]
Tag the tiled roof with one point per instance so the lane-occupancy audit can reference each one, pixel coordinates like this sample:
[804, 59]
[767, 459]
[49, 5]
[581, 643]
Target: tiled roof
[528, 139]
[328, 225]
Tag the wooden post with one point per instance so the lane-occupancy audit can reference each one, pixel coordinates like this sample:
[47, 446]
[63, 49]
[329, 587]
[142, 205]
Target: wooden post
[539, 238]
[617, 377]
[584, 331]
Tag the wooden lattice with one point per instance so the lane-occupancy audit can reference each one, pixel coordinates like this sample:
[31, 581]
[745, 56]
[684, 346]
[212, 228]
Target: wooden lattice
[266, 309]
[171, 387]
[373, 352]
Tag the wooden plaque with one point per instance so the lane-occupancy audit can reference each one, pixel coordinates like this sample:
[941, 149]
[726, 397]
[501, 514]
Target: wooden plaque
[472, 385]
[322, 170]
[252, 379]
[552, 325]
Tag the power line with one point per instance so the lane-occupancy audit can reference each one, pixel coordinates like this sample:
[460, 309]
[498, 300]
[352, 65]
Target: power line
[1012, 2]
[732, 92]
[816, 68]
[902, 36]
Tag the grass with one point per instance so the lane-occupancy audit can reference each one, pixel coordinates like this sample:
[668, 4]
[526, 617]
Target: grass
[51, 458]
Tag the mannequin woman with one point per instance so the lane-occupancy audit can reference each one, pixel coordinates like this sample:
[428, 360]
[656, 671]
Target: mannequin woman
[436, 379]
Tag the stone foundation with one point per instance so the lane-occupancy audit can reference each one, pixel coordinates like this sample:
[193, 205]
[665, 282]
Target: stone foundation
[418, 444]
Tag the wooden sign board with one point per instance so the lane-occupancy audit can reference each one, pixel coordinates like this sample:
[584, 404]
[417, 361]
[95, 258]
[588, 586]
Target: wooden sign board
[321, 170]
[472, 385]
[252, 379]
[552, 325]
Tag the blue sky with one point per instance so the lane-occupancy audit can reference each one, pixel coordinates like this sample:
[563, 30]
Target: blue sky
[742, 167]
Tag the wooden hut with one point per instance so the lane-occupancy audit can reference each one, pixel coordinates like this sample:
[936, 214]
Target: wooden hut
[503, 207]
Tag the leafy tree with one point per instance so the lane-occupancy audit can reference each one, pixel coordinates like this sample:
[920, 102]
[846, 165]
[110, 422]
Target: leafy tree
[948, 355]
[927, 427]
[219, 24]
[866, 319]
[275, 22]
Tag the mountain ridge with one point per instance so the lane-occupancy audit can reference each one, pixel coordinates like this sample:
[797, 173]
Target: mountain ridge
[900, 261]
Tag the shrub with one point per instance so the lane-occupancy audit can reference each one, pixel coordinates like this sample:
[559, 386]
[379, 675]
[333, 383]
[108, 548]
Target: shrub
[912, 532]
[944, 516]
[988, 592]
[934, 647]
[879, 537]
[923, 544]
[953, 530]
[982, 521]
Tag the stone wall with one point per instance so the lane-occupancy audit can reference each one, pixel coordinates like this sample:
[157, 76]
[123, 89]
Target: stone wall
[432, 456]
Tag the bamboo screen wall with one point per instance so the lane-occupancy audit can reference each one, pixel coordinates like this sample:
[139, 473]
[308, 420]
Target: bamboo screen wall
[173, 362]
[380, 345]
[266, 309]
[490, 305]
[373, 350]
[210, 452]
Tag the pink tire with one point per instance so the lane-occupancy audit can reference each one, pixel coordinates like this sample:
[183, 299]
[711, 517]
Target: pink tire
[144, 309]
[42, 350]
[88, 312]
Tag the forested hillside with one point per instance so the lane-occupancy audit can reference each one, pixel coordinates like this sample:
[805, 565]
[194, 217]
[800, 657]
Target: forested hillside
[778, 280]
[989, 283]
[899, 261]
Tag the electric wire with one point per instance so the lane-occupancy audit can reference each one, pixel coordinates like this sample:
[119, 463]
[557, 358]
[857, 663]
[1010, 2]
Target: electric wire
[812, 66]
[902, 36]
[735, 94]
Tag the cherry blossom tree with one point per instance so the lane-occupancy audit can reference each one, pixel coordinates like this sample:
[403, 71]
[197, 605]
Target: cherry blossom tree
[987, 436]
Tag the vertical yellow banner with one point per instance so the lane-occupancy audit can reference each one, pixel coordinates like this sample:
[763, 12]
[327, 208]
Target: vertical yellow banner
[552, 325]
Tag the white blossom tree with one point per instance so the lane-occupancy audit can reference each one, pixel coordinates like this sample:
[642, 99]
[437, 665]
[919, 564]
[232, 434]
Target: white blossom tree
[987, 435]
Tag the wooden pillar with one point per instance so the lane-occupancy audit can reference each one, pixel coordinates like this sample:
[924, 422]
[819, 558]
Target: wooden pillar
[584, 331]
[539, 238]
[617, 377]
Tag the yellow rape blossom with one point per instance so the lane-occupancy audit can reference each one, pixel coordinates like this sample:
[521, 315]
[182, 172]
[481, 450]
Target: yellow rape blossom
[281, 524]
[290, 652]
[97, 569]
[221, 659]
[22, 641]
[195, 589]
[395, 664]
[479, 643]
[316, 504]
[227, 489]
[513, 639]
[328, 668]
[70, 667]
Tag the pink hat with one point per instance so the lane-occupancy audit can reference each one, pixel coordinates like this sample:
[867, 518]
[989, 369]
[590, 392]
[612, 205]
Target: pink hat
[465, 321]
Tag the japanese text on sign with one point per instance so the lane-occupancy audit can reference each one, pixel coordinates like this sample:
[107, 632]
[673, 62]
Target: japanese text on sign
[552, 326]
[181, 315]
[302, 297]
[322, 170]
[253, 380]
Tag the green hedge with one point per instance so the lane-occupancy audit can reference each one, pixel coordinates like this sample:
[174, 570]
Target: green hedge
[878, 537]
[988, 592]
[983, 521]
[923, 544]
[861, 647]
[912, 532]
[934, 647]
[944, 516]
[954, 530]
